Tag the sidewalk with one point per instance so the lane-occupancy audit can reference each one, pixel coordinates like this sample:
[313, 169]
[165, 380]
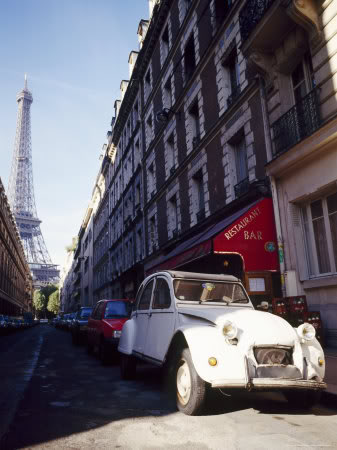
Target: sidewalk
[330, 395]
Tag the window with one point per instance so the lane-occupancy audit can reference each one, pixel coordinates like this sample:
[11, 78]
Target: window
[241, 160]
[233, 71]
[320, 235]
[151, 181]
[185, 5]
[172, 216]
[199, 195]
[169, 154]
[145, 299]
[149, 131]
[194, 124]
[137, 195]
[147, 85]
[139, 244]
[221, 9]
[302, 79]
[189, 58]
[162, 296]
[165, 44]
[167, 100]
[137, 155]
[152, 233]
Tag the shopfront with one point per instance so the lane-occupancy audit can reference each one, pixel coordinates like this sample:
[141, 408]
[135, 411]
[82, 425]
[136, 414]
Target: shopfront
[243, 244]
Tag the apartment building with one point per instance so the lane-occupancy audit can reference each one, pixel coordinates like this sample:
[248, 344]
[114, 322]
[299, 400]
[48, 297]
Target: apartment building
[16, 288]
[293, 46]
[188, 188]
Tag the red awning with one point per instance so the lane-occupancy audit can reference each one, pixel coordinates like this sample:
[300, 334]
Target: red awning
[249, 232]
[253, 236]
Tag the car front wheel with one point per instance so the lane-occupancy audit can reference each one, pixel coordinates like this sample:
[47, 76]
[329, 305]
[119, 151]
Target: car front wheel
[190, 388]
[128, 366]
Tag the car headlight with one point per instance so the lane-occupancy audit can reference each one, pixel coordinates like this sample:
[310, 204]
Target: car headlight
[229, 330]
[117, 333]
[306, 331]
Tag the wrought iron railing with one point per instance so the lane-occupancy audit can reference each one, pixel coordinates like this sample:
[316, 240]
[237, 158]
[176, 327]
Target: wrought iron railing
[242, 187]
[234, 95]
[251, 14]
[299, 122]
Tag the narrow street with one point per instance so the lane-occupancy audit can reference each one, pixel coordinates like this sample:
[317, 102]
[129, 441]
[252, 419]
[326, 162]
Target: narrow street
[54, 395]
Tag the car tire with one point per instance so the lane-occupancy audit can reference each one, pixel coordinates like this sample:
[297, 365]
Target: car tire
[128, 366]
[190, 388]
[302, 399]
[103, 353]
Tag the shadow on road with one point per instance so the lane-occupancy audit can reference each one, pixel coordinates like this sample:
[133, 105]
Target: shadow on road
[71, 392]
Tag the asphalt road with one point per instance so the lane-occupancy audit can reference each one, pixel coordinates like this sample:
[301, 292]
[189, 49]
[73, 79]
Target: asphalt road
[55, 396]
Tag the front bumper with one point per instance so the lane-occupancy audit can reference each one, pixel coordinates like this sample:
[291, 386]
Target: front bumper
[269, 384]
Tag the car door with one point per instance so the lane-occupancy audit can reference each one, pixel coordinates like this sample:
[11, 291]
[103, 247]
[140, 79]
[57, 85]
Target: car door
[98, 324]
[142, 317]
[161, 321]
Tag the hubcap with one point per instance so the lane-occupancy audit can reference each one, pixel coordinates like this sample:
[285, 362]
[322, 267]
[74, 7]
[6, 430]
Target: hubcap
[184, 383]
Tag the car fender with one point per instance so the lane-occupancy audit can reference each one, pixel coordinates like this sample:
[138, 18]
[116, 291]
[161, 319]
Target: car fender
[205, 342]
[313, 353]
[126, 341]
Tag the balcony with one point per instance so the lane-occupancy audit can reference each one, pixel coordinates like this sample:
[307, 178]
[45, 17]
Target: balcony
[299, 122]
[201, 215]
[264, 23]
[242, 187]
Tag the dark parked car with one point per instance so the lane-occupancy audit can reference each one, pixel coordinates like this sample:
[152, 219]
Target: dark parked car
[80, 325]
[4, 325]
[105, 327]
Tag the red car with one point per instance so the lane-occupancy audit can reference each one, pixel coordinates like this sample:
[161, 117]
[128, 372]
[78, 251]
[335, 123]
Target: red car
[105, 327]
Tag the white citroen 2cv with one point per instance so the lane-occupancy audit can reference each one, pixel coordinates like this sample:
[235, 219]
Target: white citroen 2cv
[204, 328]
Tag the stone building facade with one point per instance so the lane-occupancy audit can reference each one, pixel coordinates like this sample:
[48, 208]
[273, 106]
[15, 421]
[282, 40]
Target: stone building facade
[15, 277]
[189, 154]
[221, 156]
[293, 46]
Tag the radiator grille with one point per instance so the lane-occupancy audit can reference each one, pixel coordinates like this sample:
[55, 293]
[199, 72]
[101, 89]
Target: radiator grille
[274, 355]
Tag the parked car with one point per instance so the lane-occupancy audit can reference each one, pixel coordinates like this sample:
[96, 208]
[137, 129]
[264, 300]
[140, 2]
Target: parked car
[80, 325]
[204, 328]
[4, 326]
[105, 326]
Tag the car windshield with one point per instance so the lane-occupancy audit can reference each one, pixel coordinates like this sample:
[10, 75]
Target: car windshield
[85, 313]
[116, 310]
[209, 291]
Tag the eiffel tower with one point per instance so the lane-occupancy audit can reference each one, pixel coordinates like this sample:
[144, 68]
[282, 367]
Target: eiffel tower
[22, 200]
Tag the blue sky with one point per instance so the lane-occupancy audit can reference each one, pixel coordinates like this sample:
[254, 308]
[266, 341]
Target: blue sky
[75, 54]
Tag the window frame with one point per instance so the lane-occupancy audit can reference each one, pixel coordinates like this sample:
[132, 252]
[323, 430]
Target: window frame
[310, 241]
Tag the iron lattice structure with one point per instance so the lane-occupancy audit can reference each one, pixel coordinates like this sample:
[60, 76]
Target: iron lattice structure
[22, 200]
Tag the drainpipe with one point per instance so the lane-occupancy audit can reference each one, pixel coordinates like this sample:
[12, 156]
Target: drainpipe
[273, 184]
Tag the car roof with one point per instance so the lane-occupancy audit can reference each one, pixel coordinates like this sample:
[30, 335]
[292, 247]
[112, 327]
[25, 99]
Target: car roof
[198, 276]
